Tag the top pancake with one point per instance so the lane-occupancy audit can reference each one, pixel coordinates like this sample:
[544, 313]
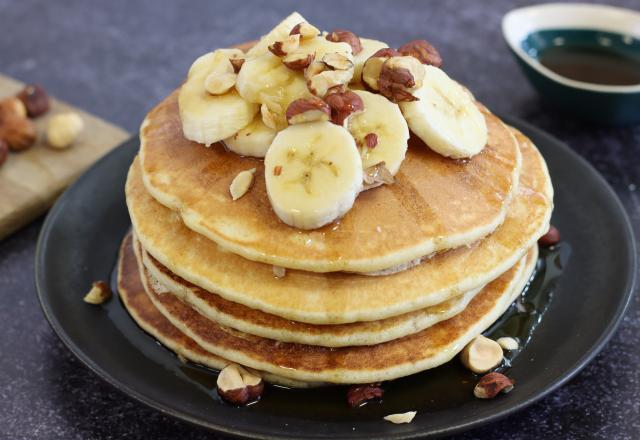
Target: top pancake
[338, 298]
[436, 203]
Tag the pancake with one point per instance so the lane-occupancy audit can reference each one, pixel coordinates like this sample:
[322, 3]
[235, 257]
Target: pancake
[339, 298]
[400, 357]
[147, 316]
[435, 204]
[258, 323]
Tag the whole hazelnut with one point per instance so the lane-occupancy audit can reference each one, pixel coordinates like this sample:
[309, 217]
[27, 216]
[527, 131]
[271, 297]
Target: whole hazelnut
[19, 133]
[35, 99]
[64, 129]
[14, 106]
[344, 36]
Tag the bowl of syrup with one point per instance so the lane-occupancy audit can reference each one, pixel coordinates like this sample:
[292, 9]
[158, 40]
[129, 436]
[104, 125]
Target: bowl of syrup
[584, 58]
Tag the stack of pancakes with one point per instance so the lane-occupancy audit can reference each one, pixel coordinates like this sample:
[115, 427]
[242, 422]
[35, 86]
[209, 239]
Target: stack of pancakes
[399, 285]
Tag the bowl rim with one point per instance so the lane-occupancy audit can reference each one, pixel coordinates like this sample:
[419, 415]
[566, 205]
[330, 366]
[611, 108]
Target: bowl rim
[569, 16]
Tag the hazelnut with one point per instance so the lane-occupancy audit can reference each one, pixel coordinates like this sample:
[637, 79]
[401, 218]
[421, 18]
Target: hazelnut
[13, 106]
[220, 83]
[277, 170]
[35, 99]
[305, 30]
[344, 36]
[358, 395]
[19, 133]
[372, 67]
[343, 105]
[423, 51]
[370, 140]
[236, 63]
[286, 46]
[279, 271]
[4, 152]
[298, 60]
[320, 84]
[308, 110]
[481, 354]
[64, 129]
[314, 69]
[399, 76]
[490, 385]
[238, 386]
[241, 183]
[551, 237]
[377, 175]
[269, 117]
[401, 418]
[99, 293]
[507, 343]
[336, 61]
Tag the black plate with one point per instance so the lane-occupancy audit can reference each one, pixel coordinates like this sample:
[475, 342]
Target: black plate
[79, 243]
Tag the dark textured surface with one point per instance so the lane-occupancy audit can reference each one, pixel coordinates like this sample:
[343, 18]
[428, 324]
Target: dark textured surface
[116, 59]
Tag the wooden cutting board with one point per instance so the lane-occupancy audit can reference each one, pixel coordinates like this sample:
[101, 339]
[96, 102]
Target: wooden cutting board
[30, 181]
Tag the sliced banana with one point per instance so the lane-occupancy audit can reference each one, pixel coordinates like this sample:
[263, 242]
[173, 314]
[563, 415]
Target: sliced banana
[208, 118]
[369, 47]
[445, 116]
[280, 32]
[383, 119]
[313, 174]
[253, 140]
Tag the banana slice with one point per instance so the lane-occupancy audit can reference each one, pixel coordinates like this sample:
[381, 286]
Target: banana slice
[253, 140]
[445, 116]
[280, 32]
[369, 47]
[313, 173]
[382, 119]
[208, 118]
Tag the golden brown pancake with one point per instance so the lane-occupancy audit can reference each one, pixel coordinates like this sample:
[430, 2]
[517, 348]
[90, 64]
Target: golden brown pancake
[435, 204]
[338, 298]
[401, 357]
[258, 323]
[148, 317]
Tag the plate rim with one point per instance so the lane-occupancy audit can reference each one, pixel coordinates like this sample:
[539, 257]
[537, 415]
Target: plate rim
[570, 372]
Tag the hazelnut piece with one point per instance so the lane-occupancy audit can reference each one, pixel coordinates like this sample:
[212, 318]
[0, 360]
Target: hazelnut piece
[372, 67]
[236, 63]
[99, 293]
[377, 175]
[370, 140]
[308, 110]
[4, 152]
[13, 106]
[305, 30]
[399, 76]
[401, 418]
[344, 36]
[241, 183]
[507, 343]
[490, 385]
[423, 51]
[358, 395]
[238, 386]
[550, 238]
[269, 117]
[279, 271]
[19, 133]
[35, 99]
[286, 46]
[298, 60]
[337, 61]
[343, 105]
[220, 83]
[64, 129]
[321, 83]
[481, 354]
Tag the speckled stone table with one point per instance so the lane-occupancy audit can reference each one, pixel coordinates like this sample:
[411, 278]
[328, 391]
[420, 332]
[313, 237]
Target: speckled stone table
[117, 58]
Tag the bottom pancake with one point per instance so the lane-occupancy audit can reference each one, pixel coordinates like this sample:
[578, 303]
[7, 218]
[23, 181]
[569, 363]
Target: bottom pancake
[426, 349]
[147, 316]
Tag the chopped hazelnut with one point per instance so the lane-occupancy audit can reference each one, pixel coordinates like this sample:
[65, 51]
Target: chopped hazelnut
[99, 293]
[241, 183]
